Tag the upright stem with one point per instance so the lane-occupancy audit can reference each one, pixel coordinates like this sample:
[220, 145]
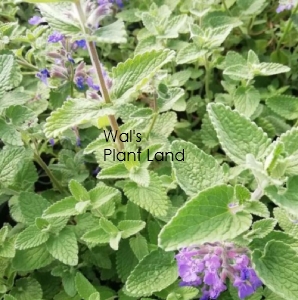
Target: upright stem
[98, 70]
[207, 77]
[288, 27]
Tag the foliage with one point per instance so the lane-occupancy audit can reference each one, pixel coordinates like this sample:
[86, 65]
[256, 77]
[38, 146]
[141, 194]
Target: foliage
[130, 130]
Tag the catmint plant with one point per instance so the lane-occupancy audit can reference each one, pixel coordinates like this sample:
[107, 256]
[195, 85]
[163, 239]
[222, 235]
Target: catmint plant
[148, 150]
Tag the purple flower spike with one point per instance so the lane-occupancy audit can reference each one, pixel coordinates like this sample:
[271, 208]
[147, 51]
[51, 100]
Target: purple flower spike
[43, 75]
[209, 265]
[55, 37]
[36, 20]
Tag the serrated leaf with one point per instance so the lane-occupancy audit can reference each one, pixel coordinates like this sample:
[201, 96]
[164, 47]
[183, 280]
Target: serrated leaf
[96, 236]
[261, 228]
[284, 105]
[251, 7]
[205, 218]
[189, 54]
[139, 246]
[152, 198]
[62, 208]
[163, 272]
[101, 195]
[239, 72]
[78, 191]
[130, 76]
[31, 237]
[257, 208]
[285, 197]
[84, 287]
[287, 222]
[198, 171]
[32, 206]
[208, 134]
[27, 289]
[6, 67]
[56, 14]
[276, 267]
[75, 112]
[30, 259]
[267, 69]
[130, 227]
[238, 135]
[125, 260]
[112, 33]
[64, 247]
[290, 141]
[164, 124]
[246, 100]
[9, 134]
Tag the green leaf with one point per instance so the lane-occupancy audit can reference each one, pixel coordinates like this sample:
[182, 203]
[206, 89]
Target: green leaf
[102, 194]
[139, 246]
[78, 191]
[154, 273]
[198, 171]
[31, 237]
[47, 1]
[189, 54]
[125, 260]
[277, 267]
[287, 222]
[257, 208]
[30, 259]
[96, 236]
[6, 67]
[56, 15]
[130, 76]
[32, 206]
[84, 287]
[238, 135]
[130, 227]
[9, 134]
[11, 162]
[290, 141]
[112, 33]
[284, 105]
[63, 208]
[285, 198]
[251, 7]
[261, 228]
[205, 218]
[164, 124]
[152, 198]
[108, 226]
[246, 100]
[27, 289]
[267, 69]
[75, 112]
[64, 247]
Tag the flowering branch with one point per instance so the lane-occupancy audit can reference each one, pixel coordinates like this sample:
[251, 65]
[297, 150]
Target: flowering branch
[99, 73]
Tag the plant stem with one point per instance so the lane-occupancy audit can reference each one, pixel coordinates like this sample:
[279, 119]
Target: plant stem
[97, 66]
[207, 77]
[225, 7]
[54, 180]
[287, 29]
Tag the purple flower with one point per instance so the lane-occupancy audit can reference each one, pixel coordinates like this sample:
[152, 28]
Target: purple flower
[55, 37]
[78, 142]
[81, 44]
[286, 6]
[91, 84]
[43, 75]
[209, 265]
[80, 82]
[119, 3]
[70, 59]
[35, 20]
[52, 142]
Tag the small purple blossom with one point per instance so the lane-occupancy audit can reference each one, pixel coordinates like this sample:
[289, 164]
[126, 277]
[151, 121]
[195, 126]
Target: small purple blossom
[80, 82]
[91, 84]
[287, 5]
[52, 142]
[36, 20]
[55, 37]
[43, 75]
[119, 3]
[81, 44]
[209, 265]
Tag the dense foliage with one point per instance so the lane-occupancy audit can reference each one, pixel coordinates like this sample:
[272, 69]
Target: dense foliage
[148, 149]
